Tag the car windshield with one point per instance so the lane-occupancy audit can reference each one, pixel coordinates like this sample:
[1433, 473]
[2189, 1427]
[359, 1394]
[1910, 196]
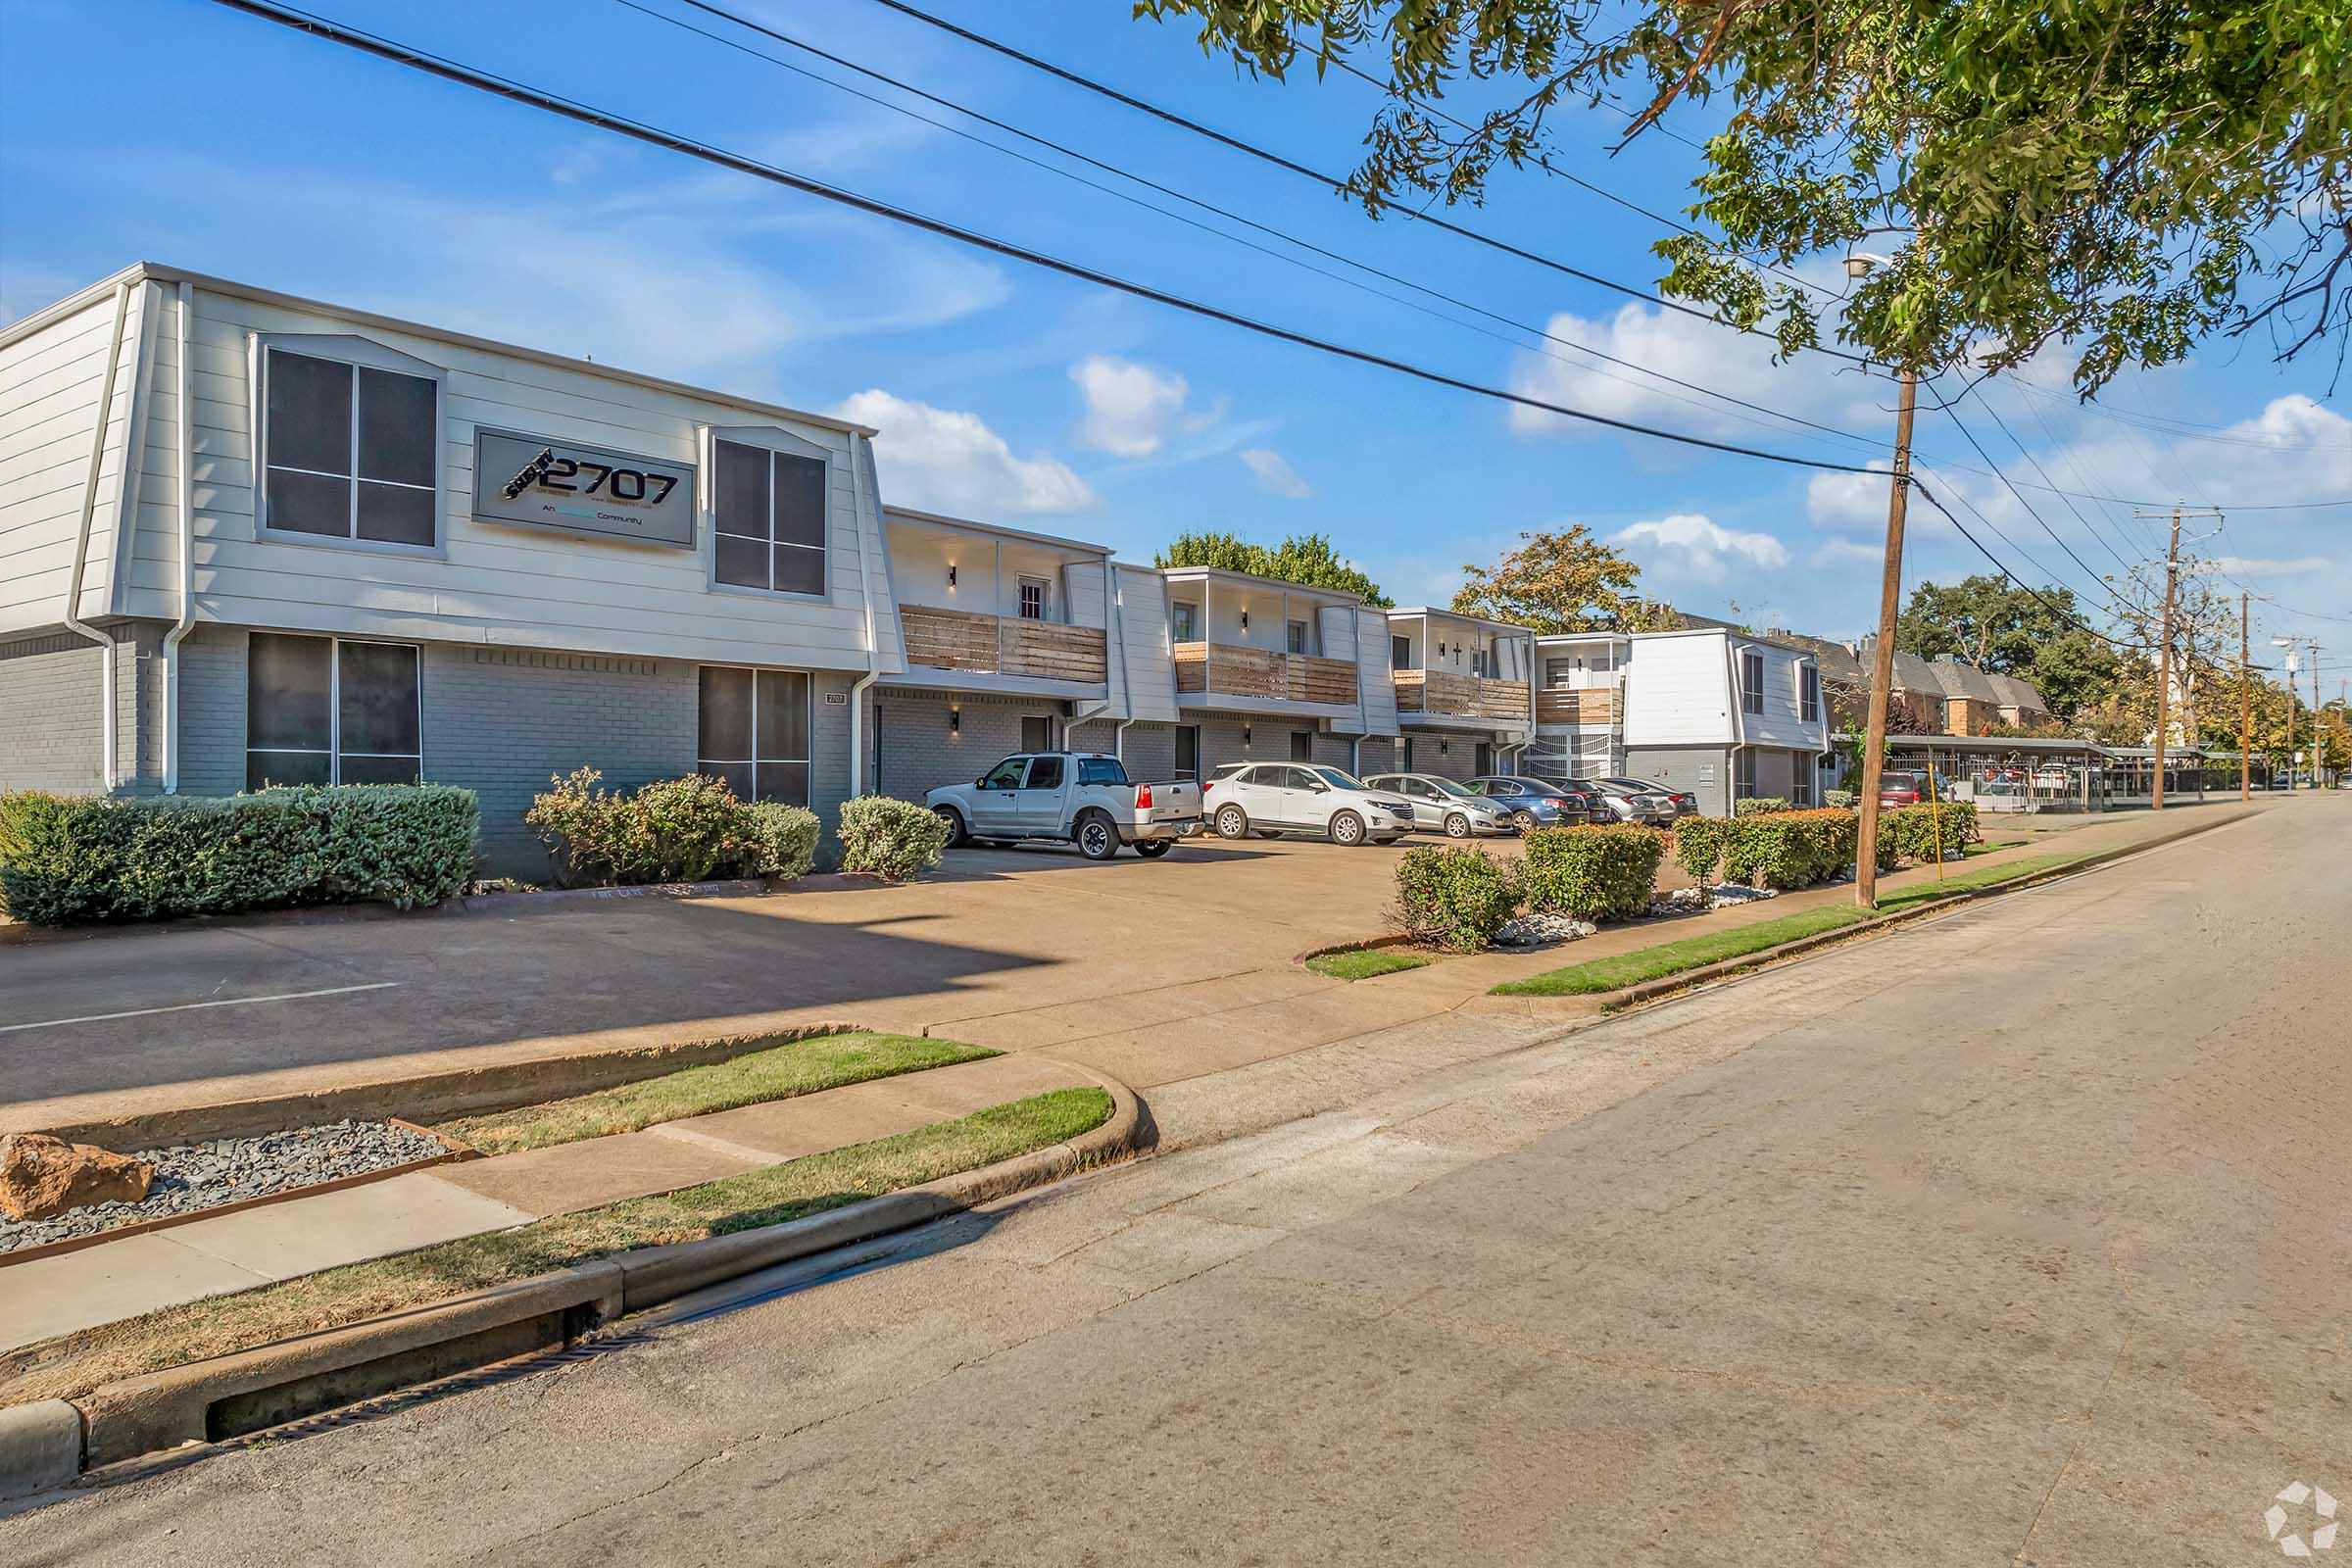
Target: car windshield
[1337, 779]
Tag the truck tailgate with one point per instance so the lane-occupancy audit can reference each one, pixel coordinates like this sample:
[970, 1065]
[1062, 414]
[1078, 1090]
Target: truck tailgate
[1170, 803]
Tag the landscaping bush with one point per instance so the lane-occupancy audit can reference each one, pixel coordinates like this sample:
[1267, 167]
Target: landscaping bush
[1790, 848]
[1604, 872]
[1699, 846]
[1844, 798]
[1454, 897]
[64, 860]
[1756, 804]
[689, 829]
[1911, 833]
[893, 839]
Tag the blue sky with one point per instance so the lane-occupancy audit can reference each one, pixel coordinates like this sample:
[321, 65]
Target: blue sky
[231, 146]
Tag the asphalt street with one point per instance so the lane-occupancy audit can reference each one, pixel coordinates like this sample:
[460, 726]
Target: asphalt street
[2022, 1235]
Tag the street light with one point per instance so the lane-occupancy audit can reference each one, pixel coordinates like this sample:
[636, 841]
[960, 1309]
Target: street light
[2288, 643]
[1858, 263]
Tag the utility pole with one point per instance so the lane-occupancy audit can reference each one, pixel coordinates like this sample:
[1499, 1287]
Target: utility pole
[1881, 653]
[2164, 663]
[2319, 736]
[2245, 703]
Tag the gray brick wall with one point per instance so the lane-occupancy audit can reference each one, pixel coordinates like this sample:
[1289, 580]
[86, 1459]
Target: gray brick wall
[51, 724]
[1447, 755]
[212, 711]
[1701, 770]
[909, 740]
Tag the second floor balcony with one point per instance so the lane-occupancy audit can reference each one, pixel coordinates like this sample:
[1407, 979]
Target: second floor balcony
[1437, 692]
[1003, 645]
[1589, 701]
[1229, 670]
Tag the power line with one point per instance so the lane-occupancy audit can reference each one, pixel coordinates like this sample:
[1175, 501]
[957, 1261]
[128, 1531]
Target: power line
[515, 91]
[2187, 430]
[2022, 452]
[2009, 576]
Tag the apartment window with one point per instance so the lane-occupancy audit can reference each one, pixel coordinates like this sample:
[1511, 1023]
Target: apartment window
[323, 711]
[1808, 693]
[1188, 751]
[1800, 782]
[1187, 621]
[1033, 598]
[1302, 746]
[767, 514]
[1037, 732]
[1557, 671]
[1751, 681]
[1298, 637]
[1401, 653]
[1743, 772]
[754, 732]
[350, 447]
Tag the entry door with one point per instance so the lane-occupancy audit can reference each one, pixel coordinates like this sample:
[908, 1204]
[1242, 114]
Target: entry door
[995, 804]
[1485, 763]
[1037, 732]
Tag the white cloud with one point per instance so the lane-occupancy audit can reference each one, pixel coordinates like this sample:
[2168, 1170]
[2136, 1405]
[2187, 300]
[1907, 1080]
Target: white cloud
[1692, 546]
[942, 459]
[1129, 407]
[2266, 566]
[1276, 474]
[1849, 503]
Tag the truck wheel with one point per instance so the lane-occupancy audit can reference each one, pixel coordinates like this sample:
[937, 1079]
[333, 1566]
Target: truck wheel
[1153, 849]
[958, 834]
[1232, 822]
[1347, 828]
[1097, 839]
[1457, 825]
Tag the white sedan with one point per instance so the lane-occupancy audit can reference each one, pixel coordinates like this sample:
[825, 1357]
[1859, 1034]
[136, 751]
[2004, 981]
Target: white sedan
[1271, 798]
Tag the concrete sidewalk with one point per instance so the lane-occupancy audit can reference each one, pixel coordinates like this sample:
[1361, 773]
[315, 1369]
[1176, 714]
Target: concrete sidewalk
[47, 1296]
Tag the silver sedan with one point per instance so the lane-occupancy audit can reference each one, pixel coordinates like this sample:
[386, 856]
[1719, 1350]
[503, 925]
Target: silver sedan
[1441, 806]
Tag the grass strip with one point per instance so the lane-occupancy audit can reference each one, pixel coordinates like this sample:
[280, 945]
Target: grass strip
[1672, 958]
[1363, 964]
[76, 1363]
[781, 1072]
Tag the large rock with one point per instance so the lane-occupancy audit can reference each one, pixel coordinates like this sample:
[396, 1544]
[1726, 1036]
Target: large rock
[41, 1177]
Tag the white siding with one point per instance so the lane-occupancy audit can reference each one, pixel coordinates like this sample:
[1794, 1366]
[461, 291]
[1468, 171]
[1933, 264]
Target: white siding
[1372, 672]
[1780, 724]
[492, 584]
[1678, 690]
[1140, 664]
[49, 384]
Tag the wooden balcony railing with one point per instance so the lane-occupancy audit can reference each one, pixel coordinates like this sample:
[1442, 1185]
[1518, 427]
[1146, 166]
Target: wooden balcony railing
[1438, 691]
[1593, 705]
[1231, 670]
[1003, 645]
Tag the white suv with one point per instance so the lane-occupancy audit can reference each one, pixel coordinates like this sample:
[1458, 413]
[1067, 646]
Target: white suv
[1271, 798]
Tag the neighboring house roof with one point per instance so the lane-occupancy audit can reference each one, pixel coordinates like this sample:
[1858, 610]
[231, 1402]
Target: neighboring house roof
[1965, 681]
[2019, 694]
[1837, 662]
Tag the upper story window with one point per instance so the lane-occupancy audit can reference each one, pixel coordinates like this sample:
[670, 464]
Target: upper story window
[1186, 620]
[1033, 598]
[769, 515]
[1808, 693]
[1751, 681]
[348, 442]
[1298, 637]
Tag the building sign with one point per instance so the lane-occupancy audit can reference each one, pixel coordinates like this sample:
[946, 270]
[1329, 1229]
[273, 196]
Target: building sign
[547, 483]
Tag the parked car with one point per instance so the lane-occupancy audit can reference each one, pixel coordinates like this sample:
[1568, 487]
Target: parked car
[1901, 789]
[1271, 798]
[1083, 797]
[1619, 802]
[1684, 805]
[1537, 802]
[1440, 804]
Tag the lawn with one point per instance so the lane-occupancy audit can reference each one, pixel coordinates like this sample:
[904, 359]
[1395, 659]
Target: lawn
[1363, 964]
[801, 1067]
[1692, 953]
[770, 1195]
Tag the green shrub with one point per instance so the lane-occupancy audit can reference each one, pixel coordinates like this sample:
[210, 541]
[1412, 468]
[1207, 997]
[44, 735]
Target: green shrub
[1910, 832]
[1699, 846]
[1790, 849]
[64, 860]
[1756, 804]
[689, 829]
[1604, 872]
[1843, 798]
[893, 839]
[1454, 897]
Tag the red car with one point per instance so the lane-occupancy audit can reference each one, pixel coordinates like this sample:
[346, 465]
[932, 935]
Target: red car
[1901, 789]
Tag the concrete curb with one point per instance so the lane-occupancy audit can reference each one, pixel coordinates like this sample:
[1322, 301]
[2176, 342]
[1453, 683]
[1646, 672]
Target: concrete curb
[249, 1391]
[1666, 985]
[40, 1448]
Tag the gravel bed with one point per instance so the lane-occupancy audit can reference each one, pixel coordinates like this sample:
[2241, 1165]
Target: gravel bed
[192, 1177]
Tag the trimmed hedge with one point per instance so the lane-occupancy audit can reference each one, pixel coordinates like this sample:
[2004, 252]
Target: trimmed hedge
[1790, 849]
[1603, 873]
[1756, 804]
[1844, 798]
[1455, 899]
[73, 858]
[1911, 832]
[1699, 846]
[893, 839]
[689, 829]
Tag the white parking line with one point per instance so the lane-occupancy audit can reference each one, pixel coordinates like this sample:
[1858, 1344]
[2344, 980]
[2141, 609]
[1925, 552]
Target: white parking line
[185, 1006]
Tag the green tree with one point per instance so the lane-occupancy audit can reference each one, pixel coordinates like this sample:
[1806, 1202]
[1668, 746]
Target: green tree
[2130, 175]
[2036, 636]
[1307, 559]
[1555, 582]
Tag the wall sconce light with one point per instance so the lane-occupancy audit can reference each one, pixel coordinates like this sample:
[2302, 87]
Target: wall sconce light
[1245, 621]
[951, 574]
[1445, 746]
[956, 719]
[1245, 737]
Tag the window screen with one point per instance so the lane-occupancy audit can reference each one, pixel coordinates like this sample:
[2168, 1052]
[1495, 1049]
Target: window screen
[768, 511]
[352, 450]
[323, 711]
[754, 732]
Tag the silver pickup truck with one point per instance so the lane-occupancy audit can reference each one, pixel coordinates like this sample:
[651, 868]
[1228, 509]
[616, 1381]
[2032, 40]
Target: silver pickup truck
[1084, 797]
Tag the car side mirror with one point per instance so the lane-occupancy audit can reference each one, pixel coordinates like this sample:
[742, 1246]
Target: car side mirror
[981, 782]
